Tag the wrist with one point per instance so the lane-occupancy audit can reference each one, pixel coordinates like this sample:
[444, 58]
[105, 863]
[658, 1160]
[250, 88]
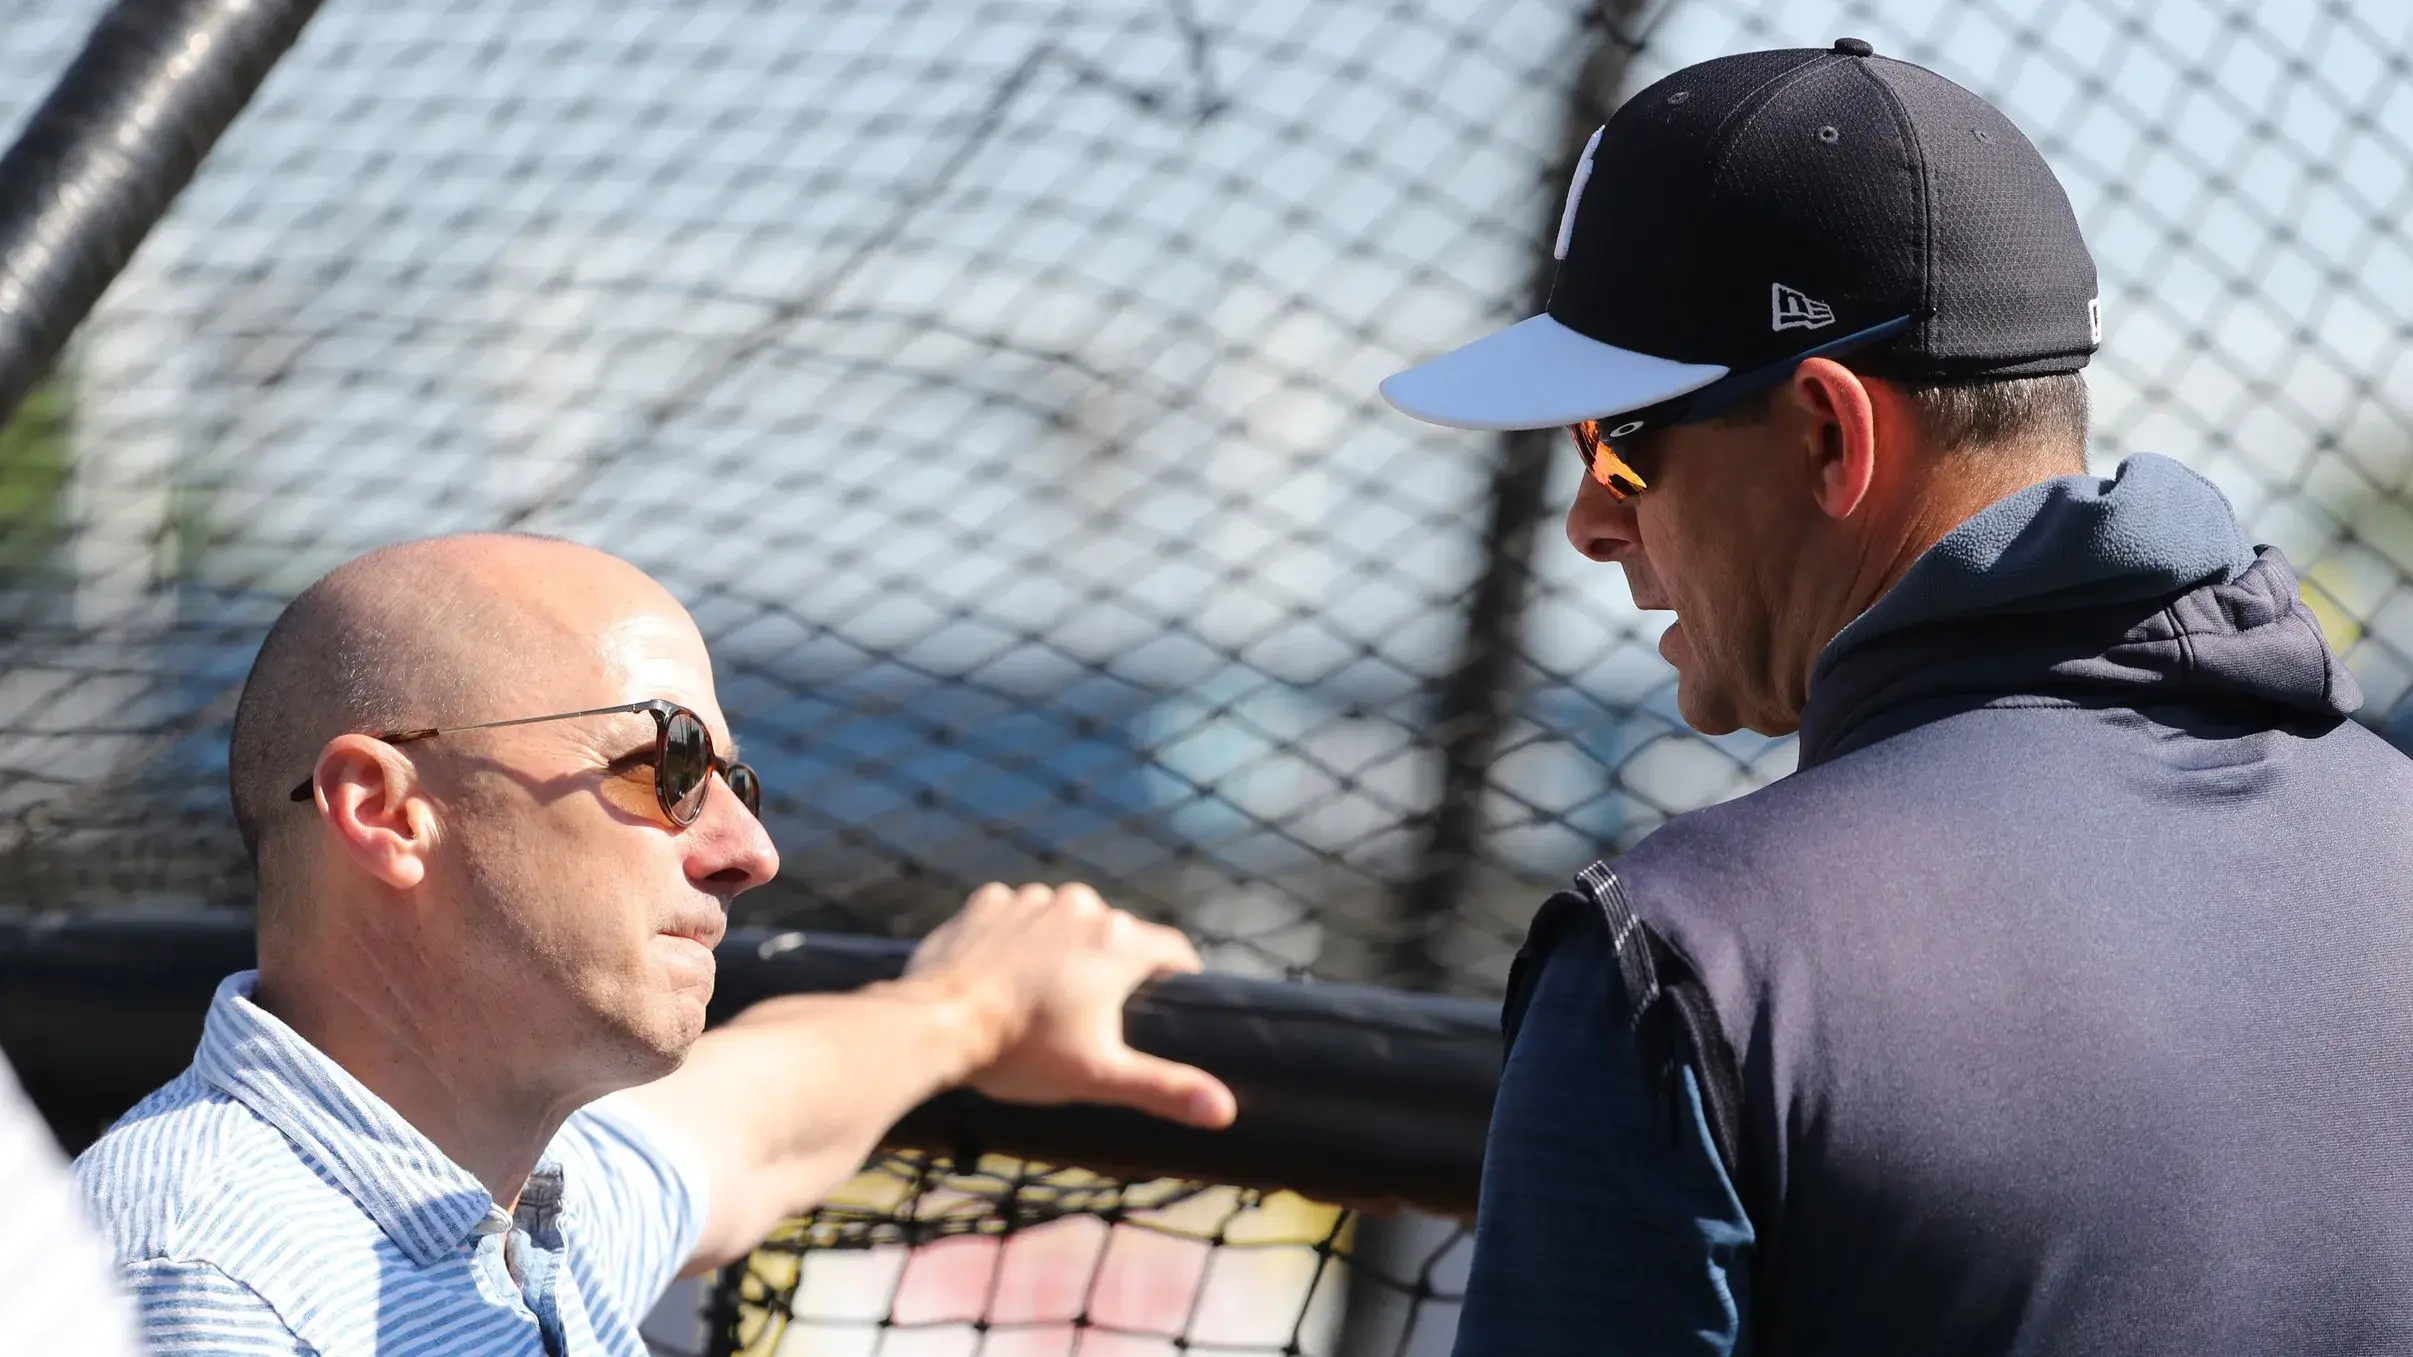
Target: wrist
[970, 1021]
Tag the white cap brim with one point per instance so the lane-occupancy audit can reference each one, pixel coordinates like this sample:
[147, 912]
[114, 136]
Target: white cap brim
[1538, 373]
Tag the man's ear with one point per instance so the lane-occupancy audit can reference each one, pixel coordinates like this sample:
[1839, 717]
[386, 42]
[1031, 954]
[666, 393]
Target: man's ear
[369, 795]
[1839, 430]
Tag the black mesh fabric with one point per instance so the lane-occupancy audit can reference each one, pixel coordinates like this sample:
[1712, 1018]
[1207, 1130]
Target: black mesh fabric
[1874, 187]
[2009, 283]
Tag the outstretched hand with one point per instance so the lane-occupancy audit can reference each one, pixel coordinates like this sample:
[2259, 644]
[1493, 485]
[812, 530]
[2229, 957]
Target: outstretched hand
[1050, 969]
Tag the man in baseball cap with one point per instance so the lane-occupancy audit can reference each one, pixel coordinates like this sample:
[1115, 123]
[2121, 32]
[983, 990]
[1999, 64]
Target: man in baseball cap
[2056, 1003]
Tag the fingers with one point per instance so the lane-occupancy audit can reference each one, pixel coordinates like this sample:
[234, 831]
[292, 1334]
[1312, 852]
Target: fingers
[997, 900]
[1078, 898]
[1172, 1091]
[1075, 907]
[995, 911]
[1078, 919]
[1058, 964]
[1166, 949]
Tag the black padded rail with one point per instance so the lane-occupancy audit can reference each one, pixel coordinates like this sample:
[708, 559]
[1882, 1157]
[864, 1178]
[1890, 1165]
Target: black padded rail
[116, 140]
[1364, 1096]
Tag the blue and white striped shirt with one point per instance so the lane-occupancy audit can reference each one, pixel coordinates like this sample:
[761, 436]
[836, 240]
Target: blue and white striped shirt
[56, 1293]
[264, 1201]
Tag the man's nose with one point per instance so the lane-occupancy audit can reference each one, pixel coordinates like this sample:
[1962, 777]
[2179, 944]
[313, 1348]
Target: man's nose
[1600, 523]
[731, 852]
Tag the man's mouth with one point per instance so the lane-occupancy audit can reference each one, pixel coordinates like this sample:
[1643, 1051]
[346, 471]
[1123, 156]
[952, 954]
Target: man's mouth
[1672, 640]
[706, 932]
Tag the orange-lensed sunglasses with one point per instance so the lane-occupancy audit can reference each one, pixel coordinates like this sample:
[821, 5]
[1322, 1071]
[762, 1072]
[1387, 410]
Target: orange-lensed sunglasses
[1601, 459]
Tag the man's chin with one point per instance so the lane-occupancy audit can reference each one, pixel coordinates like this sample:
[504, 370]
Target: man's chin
[665, 1036]
[1704, 709]
[688, 1006]
[1716, 713]
[681, 977]
[684, 1035]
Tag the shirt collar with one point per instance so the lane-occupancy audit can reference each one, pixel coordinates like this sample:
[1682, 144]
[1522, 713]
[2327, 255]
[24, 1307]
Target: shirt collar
[427, 1204]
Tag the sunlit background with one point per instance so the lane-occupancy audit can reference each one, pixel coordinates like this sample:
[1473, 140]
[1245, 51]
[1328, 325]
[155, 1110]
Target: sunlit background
[996, 383]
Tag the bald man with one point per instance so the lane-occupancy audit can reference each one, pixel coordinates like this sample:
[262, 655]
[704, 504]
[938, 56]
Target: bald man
[466, 1104]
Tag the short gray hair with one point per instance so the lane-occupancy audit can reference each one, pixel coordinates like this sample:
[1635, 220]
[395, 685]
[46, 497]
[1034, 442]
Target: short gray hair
[1976, 413]
[2029, 412]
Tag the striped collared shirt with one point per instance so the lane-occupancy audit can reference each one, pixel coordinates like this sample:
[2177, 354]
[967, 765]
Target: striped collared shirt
[264, 1201]
[56, 1294]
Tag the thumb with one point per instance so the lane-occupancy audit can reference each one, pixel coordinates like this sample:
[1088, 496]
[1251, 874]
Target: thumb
[1176, 1092]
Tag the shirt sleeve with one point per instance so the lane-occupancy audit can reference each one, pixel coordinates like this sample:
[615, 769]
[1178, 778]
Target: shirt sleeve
[644, 1199]
[1594, 1234]
[195, 1310]
[57, 1291]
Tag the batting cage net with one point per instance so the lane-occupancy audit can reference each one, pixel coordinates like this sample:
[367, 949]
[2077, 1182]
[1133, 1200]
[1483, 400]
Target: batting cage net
[923, 1254]
[996, 383]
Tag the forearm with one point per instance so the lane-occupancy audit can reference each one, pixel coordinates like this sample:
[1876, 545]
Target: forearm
[1595, 1234]
[788, 1099]
[1021, 993]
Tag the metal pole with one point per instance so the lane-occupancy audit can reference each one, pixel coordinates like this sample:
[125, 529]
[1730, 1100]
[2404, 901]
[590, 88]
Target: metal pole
[116, 140]
[1477, 695]
[1472, 708]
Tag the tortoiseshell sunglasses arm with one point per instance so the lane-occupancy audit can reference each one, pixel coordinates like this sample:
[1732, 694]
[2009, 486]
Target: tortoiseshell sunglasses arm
[656, 706]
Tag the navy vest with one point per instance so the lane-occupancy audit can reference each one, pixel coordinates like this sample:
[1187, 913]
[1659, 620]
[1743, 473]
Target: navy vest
[2062, 1002]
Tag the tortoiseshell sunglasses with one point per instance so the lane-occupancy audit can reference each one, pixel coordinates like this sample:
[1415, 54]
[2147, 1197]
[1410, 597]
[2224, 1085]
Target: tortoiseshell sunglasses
[682, 758]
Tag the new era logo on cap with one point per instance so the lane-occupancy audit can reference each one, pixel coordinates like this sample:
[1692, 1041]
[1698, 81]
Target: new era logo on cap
[1792, 309]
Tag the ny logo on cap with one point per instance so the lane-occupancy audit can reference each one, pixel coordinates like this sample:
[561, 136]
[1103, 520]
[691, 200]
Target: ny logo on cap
[1792, 309]
[1575, 196]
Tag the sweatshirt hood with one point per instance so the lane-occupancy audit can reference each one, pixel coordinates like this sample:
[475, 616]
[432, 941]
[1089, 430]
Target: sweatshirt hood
[2137, 590]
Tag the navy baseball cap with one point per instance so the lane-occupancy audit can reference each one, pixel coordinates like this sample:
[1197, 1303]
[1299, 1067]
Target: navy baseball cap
[1755, 210]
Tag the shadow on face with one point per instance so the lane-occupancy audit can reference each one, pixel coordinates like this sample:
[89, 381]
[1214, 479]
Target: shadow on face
[510, 897]
[1718, 539]
[597, 901]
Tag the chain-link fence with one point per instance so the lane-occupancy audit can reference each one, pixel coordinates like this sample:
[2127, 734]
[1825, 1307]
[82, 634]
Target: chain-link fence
[996, 383]
[920, 1255]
